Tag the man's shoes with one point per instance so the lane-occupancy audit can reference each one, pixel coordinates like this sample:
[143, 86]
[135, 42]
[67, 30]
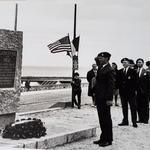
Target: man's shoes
[123, 124]
[104, 144]
[79, 107]
[139, 121]
[96, 142]
[145, 122]
[135, 125]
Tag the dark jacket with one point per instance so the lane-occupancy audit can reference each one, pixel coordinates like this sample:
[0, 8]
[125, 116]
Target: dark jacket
[105, 84]
[90, 75]
[116, 72]
[143, 83]
[127, 83]
[76, 85]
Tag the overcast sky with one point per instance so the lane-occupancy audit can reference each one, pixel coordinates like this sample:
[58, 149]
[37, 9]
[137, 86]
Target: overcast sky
[121, 27]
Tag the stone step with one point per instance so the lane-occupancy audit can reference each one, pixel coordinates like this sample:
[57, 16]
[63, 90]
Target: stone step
[58, 139]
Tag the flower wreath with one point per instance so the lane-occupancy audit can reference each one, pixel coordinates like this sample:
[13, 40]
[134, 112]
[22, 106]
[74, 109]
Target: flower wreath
[25, 128]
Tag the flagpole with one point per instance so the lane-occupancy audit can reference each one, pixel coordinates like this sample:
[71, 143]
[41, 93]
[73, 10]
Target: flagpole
[75, 12]
[74, 36]
[16, 15]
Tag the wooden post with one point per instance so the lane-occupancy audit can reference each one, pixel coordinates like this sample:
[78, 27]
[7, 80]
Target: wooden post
[74, 36]
[16, 15]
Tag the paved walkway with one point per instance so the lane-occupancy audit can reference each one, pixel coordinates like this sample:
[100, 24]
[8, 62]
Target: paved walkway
[37, 100]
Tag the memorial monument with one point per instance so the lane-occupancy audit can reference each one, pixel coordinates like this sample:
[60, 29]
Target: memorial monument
[10, 74]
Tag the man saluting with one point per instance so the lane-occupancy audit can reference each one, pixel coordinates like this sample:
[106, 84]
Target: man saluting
[105, 82]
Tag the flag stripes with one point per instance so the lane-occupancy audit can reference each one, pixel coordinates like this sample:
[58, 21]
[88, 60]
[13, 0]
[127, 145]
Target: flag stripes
[60, 46]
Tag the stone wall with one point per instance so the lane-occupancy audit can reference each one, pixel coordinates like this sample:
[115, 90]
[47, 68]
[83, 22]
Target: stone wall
[9, 96]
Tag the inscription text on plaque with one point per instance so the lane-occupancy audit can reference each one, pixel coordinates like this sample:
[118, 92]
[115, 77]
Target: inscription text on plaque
[7, 68]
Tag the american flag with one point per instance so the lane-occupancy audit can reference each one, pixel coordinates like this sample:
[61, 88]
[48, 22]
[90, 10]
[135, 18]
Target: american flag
[61, 45]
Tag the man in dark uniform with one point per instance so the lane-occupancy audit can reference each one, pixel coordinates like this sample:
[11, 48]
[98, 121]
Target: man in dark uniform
[126, 82]
[90, 78]
[105, 83]
[143, 91]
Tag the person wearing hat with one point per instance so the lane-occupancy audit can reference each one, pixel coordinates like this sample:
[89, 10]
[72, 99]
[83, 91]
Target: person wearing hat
[143, 91]
[105, 83]
[126, 82]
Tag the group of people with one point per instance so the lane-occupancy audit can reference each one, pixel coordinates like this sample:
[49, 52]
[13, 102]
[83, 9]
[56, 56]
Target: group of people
[132, 83]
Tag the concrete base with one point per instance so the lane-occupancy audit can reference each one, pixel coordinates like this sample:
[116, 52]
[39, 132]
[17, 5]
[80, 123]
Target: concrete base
[60, 139]
[6, 119]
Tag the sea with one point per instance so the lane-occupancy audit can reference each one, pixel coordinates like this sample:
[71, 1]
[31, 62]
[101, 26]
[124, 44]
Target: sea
[40, 71]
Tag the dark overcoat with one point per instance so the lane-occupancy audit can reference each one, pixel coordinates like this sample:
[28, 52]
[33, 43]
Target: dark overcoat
[90, 75]
[105, 84]
[127, 84]
[143, 83]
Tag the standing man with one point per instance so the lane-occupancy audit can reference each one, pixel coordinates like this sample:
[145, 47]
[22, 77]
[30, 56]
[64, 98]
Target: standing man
[143, 91]
[91, 76]
[105, 82]
[77, 90]
[126, 82]
[27, 85]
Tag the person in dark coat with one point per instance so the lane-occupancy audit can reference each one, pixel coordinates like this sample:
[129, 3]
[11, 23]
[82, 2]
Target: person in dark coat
[91, 77]
[76, 83]
[27, 85]
[143, 91]
[126, 82]
[116, 90]
[148, 66]
[148, 70]
[105, 82]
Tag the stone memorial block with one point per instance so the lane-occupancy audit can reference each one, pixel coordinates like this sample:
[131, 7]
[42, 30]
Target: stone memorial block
[10, 74]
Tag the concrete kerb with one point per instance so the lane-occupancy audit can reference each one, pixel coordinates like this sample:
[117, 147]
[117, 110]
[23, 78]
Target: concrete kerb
[59, 139]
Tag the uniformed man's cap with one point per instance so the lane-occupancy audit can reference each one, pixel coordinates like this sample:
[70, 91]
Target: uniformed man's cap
[124, 59]
[104, 54]
[139, 59]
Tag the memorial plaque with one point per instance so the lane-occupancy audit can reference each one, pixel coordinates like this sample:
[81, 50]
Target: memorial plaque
[7, 68]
